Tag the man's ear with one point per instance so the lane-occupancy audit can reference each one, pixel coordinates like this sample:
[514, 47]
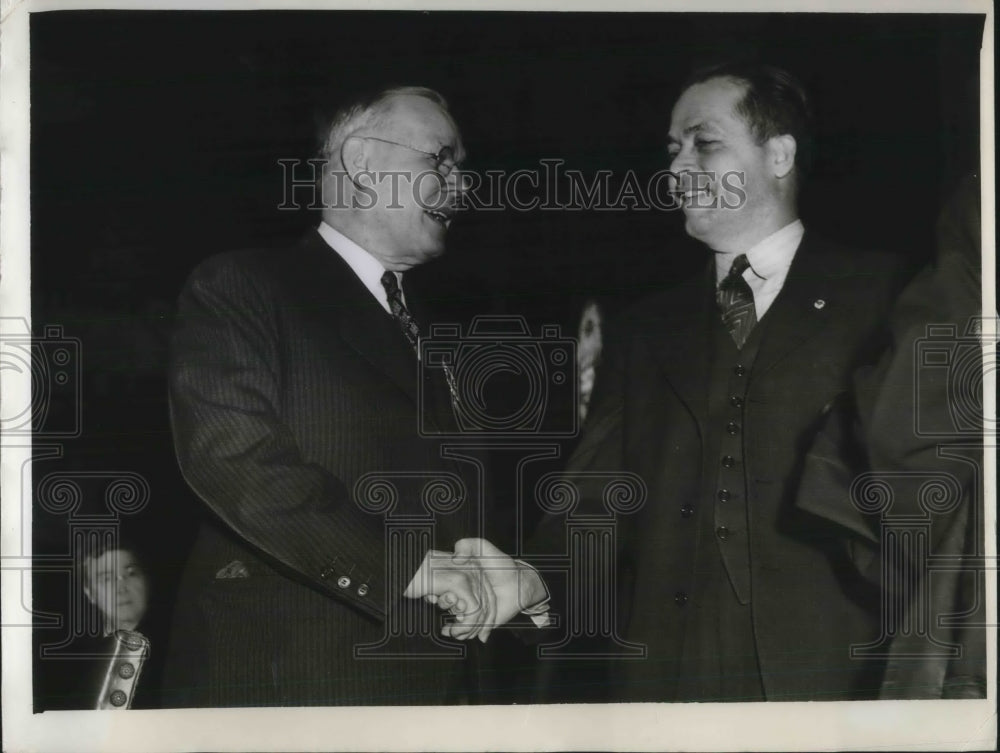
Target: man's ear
[354, 155]
[88, 593]
[781, 150]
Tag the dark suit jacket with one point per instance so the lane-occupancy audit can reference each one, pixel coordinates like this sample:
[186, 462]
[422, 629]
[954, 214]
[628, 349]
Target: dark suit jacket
[649, 417]
[288, 384]
[918, 424]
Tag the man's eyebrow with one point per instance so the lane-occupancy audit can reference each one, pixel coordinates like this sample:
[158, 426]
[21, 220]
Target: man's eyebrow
[699, 127]
[692, 129]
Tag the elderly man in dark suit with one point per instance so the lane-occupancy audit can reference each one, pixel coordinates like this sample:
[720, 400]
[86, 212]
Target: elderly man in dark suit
[294, 389]
[711, 393]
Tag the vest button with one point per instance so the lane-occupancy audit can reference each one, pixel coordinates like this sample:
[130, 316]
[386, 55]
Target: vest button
[343, 581]
[687, 511]
[728, 461]
[736, 401]
[722, 532]
[724, 495]
[680, 598]
[739, 370]
[732, 428]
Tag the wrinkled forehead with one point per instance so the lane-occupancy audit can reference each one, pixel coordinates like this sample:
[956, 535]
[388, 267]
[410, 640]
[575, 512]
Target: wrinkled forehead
[706, 105]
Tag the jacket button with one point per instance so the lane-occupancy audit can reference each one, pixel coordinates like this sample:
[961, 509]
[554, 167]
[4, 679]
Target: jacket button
[363, 590]
[728, 461]
[722, 532]
[733, 428]
[680, 598]
[343, 581]
[736, 401]
[739, 370]
[687, 511]
[724, 495]
[126, 670]
[118, 698]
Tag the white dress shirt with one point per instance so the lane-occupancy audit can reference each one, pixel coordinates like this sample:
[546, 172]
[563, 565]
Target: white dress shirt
[769, 263]
[368, 269]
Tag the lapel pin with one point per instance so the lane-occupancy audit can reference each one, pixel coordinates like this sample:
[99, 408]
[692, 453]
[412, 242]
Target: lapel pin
[819, 303]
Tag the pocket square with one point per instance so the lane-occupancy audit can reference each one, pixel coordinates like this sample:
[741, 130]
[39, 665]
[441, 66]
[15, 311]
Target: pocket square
[234, 569]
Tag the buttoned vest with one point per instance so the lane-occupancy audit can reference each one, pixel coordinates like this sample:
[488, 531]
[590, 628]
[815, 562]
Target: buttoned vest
[724, 482]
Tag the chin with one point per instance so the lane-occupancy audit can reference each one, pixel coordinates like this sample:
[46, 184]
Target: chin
[429, 254]
[698, 228]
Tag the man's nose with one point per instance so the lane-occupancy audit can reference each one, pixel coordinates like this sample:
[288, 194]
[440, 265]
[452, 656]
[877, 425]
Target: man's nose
[681, 162]
[459, 181]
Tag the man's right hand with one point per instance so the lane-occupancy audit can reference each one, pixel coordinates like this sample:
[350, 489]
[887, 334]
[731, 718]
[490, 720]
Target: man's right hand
[516, 585]
[458, 586]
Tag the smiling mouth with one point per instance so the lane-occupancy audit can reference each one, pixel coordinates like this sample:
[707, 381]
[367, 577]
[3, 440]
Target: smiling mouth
[693, 192]
[696, 198]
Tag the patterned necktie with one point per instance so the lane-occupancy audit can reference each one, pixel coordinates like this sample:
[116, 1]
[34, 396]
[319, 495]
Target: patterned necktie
[735, 299]
[410, 327]
[400, 313]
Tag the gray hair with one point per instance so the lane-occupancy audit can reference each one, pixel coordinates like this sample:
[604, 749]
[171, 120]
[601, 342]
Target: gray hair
[368, 112]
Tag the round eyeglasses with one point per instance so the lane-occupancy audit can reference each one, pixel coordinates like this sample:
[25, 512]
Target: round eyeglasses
[443, 160]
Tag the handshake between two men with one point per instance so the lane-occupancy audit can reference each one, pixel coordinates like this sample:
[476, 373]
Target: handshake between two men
[480, 585]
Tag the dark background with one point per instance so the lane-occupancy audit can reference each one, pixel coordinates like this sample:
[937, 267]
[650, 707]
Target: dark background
[155, 138]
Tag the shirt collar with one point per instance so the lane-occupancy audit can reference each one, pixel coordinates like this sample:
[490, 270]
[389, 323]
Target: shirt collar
[771, 256]
[367, 268]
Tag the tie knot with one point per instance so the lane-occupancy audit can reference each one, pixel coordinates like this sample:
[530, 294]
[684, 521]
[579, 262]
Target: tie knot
[740, 265]
[390, 283]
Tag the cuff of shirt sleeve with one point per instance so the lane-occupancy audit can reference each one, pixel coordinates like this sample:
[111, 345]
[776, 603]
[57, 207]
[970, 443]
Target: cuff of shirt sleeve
[540, 620]
[539, 611]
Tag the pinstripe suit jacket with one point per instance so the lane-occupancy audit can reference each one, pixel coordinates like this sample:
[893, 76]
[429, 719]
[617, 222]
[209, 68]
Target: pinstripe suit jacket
[289, 386]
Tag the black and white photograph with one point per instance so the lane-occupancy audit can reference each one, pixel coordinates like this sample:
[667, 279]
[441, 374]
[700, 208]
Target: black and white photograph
[560, 377]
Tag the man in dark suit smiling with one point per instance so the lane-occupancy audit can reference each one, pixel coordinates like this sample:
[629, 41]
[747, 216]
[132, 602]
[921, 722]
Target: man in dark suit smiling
[712, 398]
[711, 393]
[294, 401]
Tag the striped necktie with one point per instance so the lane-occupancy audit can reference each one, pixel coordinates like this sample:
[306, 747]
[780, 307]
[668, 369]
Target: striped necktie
[400, 313]
[411, 329]
[735, 300]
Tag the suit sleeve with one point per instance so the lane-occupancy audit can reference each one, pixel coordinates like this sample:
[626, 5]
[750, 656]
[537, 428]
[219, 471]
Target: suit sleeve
[238, 456]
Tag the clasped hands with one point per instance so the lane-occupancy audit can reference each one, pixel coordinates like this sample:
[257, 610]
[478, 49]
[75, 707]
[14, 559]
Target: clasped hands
[480, 585]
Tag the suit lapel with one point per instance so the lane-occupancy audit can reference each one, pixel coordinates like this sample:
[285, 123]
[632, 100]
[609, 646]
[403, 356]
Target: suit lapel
[680, 337]
[363, 324]
[680, 334]
[804, 306]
